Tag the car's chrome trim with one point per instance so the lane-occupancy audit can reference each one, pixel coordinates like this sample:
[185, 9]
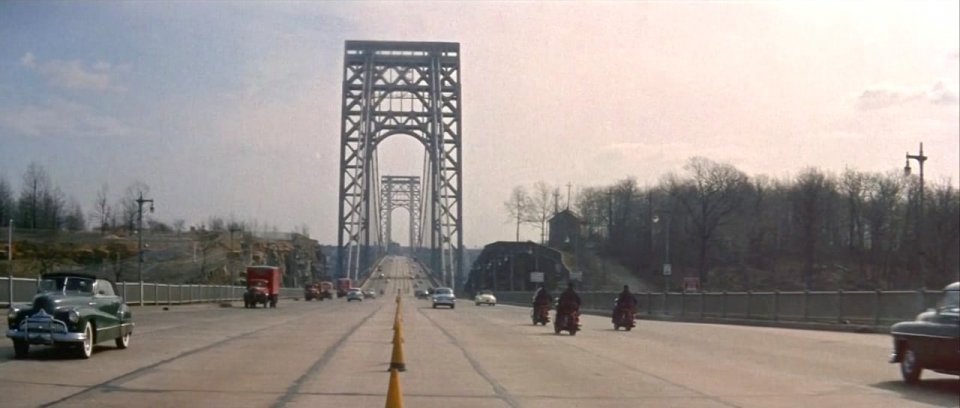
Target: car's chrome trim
[923, 335]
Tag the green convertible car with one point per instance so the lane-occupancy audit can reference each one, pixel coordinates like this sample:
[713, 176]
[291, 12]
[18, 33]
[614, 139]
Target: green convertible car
[931, 341]
[72, 310]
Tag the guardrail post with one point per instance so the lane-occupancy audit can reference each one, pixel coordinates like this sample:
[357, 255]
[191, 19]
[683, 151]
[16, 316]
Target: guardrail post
[723, 305]
[683, 303]
[649, 303]
[839, 305]
[776, 305]
[749, 296]
[876, 307]
[703, 300]
[806, 301]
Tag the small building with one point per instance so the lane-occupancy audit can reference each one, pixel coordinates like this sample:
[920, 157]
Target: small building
[565, 228]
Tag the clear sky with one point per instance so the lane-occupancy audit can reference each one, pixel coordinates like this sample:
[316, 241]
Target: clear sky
[234, 108]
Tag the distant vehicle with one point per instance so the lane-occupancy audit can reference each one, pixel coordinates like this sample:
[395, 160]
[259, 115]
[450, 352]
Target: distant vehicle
[422, 293]
[263, 286]
[485, 297]
[444, 297]
[369, 294]
[931, 341]
[311, 291]
[70, 310]
[326, 290]
[354, 294]
[343, 285]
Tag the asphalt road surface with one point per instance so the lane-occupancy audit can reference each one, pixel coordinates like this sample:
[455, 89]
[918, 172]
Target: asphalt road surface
[335, 354]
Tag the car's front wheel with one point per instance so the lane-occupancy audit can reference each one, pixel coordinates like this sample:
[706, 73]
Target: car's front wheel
[20, 348]
[910, 367]
[124, 340]
[86, 348]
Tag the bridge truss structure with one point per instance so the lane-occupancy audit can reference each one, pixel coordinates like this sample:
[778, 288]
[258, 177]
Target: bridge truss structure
[401, 192]
[400, 88]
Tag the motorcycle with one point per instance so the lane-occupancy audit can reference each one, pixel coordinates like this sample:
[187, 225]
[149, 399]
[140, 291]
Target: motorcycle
[622, 317]
[540, 314]
[568, 321]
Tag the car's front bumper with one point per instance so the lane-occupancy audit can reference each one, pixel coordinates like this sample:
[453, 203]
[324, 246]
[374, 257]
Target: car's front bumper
[45, 330]
[444, 301]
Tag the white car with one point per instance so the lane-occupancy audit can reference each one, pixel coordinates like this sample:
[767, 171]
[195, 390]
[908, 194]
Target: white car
[354, 294]
[444, 297]
[485, 298]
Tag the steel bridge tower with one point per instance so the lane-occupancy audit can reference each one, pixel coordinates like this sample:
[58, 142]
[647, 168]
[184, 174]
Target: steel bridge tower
[401, 88]
[401, 192]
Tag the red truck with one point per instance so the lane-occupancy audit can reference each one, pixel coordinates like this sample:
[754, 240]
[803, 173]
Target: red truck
[343, 285]
[263, 286]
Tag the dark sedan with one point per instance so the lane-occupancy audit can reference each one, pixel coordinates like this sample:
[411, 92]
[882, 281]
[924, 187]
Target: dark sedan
[931, 341]
[71, 310]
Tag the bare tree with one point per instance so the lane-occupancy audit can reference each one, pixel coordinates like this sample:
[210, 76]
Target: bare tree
[7, 204]
[517, 205]
[810, 202]
[101, 209]
[74, 220]
[710, 195]
[178, 225]
[35, 185]
[540, 208]
[128, 203]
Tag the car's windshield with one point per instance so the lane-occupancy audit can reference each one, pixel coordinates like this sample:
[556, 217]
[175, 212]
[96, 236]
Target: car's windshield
[950, 301]
[444, 291]
[66, 284]
[486, 292]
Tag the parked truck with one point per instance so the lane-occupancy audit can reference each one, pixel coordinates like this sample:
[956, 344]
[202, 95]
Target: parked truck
[263, 286]
[343, 285]
[311, 291]
[326, 290]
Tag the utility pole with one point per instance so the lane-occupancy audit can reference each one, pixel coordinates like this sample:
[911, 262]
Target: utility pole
[920, 158]
[568, 195]
[140, 202]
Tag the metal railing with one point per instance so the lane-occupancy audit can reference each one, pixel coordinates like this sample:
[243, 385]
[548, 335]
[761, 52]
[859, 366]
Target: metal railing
[873, 308]
[24, 289]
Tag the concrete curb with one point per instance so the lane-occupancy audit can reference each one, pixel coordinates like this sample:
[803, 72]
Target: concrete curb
[822, 326]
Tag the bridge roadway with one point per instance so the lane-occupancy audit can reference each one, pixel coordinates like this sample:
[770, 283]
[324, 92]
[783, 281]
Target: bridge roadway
[335, 353]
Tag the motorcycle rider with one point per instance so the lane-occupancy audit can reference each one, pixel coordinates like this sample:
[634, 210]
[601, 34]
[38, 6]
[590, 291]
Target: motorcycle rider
[541, 297]
[569, 303]
[541, 302]
[626, 301]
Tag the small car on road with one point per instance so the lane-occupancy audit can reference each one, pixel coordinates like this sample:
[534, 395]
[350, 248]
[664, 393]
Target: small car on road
[931, 341]
[485, 297]
[354, 294]
[71, 310]
[444, 297]
[369, 294]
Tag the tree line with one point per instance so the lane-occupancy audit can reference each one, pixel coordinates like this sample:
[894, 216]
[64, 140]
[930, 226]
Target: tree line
[815, 231]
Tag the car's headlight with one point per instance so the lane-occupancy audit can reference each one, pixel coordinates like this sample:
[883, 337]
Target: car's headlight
[12, 313]
[73, 315]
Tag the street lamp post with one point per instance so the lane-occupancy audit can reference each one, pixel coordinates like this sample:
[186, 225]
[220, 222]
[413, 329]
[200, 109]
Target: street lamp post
[920, 158]
[140, 202]
[10, 261]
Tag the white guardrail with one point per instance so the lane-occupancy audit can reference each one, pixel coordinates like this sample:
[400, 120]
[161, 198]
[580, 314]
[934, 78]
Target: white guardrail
[23, 290]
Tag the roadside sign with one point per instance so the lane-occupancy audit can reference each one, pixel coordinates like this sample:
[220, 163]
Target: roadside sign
[536, 277]
[691, 284]
[576, 276]
[666, 270]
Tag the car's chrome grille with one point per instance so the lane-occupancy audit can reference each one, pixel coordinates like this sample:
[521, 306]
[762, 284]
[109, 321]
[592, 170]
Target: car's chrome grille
[43, 323]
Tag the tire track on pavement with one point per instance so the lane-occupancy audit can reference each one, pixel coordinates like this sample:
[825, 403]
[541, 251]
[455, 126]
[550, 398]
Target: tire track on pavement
[498, 388]
[318, 365]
